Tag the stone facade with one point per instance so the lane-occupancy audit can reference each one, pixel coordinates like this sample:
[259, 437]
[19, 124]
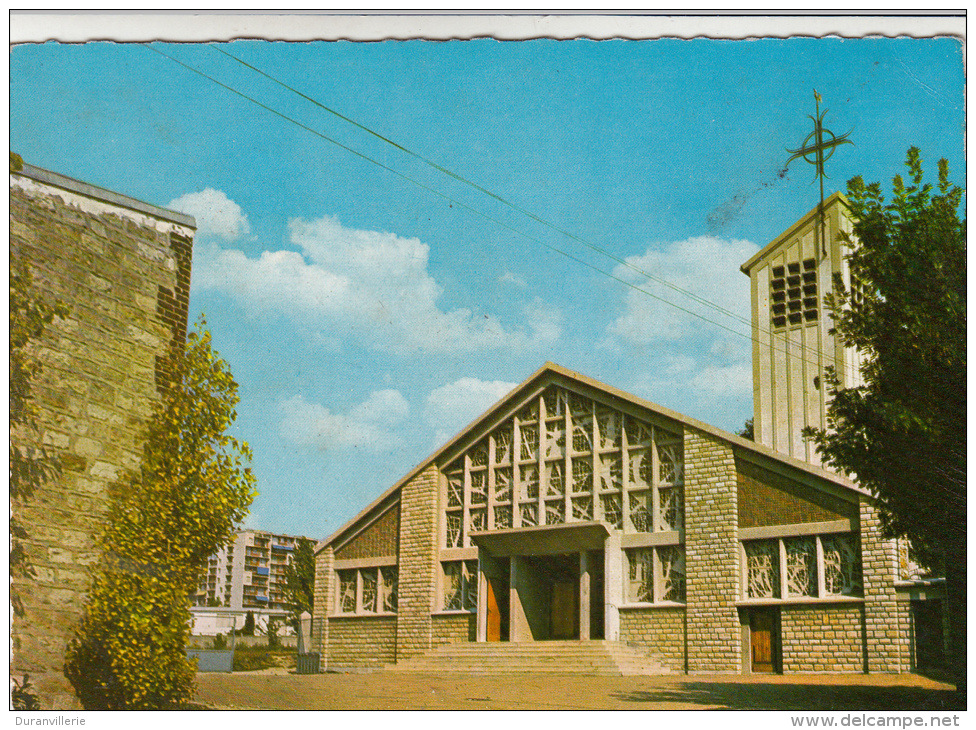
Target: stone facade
[361, 641]
[712, 554]
[657, 632]
[696, 613]
[123, 269]
[453, 629]
[822, 638]
[418, 563]
[885, 626]
[322, 603]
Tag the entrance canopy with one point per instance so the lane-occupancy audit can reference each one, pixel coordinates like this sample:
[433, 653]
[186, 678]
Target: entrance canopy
[544, 540]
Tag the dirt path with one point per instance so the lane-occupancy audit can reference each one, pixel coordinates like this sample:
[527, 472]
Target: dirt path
[282, 690]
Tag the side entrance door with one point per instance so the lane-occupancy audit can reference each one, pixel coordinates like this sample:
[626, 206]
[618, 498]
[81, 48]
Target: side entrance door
[565, 610]
[762, 630]
[496, 611]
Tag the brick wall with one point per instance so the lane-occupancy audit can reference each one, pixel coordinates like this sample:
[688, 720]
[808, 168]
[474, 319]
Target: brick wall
[362, 641]
[658, 632]
[766, 498]
[418, 563]
[711, 554]
[455, 629]
[884, 621]
[124, 271]
[378, 540]
[822, 638]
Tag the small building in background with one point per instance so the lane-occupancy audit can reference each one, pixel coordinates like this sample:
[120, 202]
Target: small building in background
[246, 576]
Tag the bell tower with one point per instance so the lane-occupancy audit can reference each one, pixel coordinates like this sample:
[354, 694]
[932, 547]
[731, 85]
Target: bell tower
[791, 341]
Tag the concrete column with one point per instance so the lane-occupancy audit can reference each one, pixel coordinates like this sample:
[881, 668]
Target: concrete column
[613, 579]
[584, 596]
[481, 628]
[518, 623]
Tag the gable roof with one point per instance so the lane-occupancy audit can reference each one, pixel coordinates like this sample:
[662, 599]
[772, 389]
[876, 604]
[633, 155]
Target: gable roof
[552, 374]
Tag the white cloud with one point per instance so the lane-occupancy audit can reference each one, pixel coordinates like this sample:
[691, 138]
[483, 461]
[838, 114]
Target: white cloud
[216, 214]
[451, 407]
[723, 381]
[371, 425]
[368, 285]
[706, 266]
[509, 278]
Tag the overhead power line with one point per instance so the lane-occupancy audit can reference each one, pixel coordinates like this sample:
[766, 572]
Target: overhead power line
[774, 337]
[486, 191]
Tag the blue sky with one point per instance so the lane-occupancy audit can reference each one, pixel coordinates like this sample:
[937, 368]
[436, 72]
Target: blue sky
[369, 315]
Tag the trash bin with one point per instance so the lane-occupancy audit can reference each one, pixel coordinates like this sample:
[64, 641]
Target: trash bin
[307, 663]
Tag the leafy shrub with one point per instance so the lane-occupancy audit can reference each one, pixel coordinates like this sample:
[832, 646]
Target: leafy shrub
[164, 522]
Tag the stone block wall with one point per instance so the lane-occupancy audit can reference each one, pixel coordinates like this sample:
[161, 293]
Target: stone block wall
[658, 632]
[822, 638]
[711, 554]
[418, 563]
[123, 269]
[323, 603]
[453, 629]
[361, 641]
[884, 620]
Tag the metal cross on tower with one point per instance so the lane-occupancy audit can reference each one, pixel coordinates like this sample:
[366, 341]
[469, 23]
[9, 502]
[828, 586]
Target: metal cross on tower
[820, 143]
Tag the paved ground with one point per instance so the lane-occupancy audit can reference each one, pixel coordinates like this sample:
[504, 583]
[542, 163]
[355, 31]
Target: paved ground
[281, 690]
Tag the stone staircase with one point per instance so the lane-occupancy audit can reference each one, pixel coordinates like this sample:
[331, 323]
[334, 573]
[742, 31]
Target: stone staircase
[600, 658]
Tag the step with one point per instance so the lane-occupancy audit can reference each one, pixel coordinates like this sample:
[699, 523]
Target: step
[598, 657]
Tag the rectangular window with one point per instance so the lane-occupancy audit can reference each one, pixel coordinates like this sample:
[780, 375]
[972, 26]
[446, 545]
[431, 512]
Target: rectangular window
[656, 575]
[367, 590]
[459, 585]
[802, 567]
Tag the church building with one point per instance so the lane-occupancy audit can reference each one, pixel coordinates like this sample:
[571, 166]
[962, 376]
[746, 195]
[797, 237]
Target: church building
[572, 514]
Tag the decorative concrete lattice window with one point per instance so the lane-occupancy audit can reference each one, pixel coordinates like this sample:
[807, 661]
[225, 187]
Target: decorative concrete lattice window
[762, 566]
[793, 294]
[672, 561]
[656, 575]
[671, 509]
[640, 511]
[563, 457]
[389, 584]
[801, 567]
[842, 566]
[641, 575]
[908, 567]
[368, 590]
[613, 513]
[503, 516]
[459, 585]
[454, 524]
[347, 591]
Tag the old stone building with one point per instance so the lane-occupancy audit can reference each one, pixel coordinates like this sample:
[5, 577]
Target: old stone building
[577, 517]
[122, 267]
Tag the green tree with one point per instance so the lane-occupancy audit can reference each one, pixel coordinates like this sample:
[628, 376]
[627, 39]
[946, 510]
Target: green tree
[248, 629]
[31, 463]
[748, 430]
[902, 433]
[192, 488]
[299, 588]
